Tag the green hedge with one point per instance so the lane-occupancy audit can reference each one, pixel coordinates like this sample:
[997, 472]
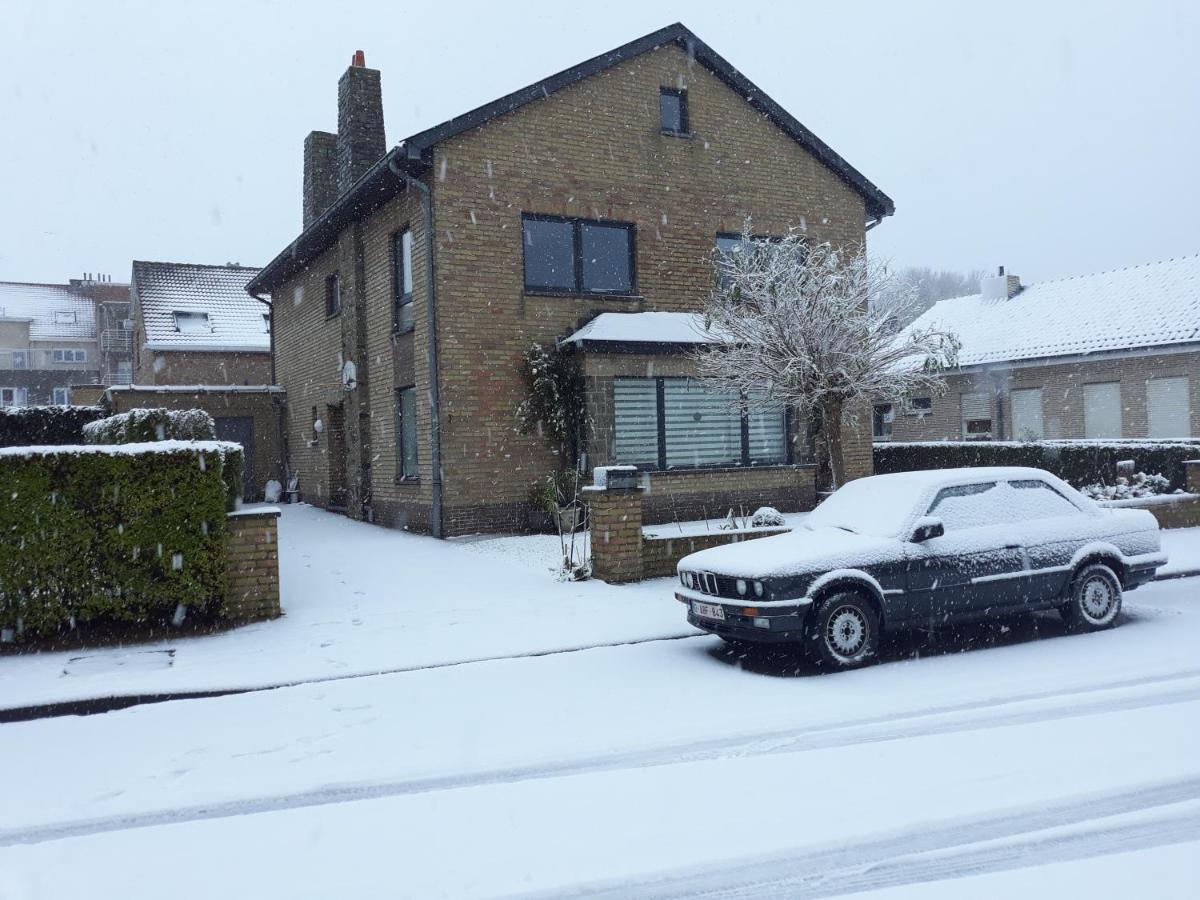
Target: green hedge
[101, 534]
[140, 425]
[1076, 462]
[41, 426]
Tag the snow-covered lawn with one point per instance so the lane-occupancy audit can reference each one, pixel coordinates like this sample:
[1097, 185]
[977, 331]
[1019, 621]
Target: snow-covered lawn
[361, 599]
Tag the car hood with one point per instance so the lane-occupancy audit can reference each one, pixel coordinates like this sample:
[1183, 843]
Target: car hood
[798, 552]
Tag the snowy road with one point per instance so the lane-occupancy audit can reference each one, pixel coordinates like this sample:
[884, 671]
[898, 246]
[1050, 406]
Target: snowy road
[663, 769]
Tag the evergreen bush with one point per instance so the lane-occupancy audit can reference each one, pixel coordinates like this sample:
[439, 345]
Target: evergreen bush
[41, 426]
[141, 425]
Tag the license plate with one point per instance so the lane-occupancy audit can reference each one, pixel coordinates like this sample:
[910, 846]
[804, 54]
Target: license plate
[708, 610]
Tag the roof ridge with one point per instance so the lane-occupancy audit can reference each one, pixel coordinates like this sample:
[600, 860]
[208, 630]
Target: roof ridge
[233, 267]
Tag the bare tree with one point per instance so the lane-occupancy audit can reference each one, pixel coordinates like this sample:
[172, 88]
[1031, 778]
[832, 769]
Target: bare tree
[811, 326]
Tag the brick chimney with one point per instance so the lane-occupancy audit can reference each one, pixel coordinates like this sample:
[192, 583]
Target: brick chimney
[360, 138]
[320, 174]
[1000, 286]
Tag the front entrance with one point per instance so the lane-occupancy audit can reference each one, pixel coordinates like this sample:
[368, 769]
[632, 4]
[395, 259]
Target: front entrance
[240, 430]
[336, 417]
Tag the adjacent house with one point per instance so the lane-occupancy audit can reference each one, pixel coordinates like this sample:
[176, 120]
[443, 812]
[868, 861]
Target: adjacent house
[195, 324]
[47, 342]
[582, 210]
[1110, 355]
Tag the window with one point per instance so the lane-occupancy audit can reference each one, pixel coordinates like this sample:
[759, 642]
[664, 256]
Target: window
[333, 295]
[192, 322]
[881, 422]
[920, 406]
[266, 322]
[577, 256]
[12, 396]
[62, 396]
[1102, 410]
[402, 274]
[1033, 499]
[967, 506]
[124, 372]
[673, 111]
[1027, 423]
[69, 356]
[976, 417]
[1168, 410]
[64, 318]
[406, 433]
[20, 359]
[730, 244]
[670, 423]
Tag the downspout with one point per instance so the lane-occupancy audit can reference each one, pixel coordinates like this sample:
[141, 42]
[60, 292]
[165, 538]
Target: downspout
[435, 419]
[281, 411]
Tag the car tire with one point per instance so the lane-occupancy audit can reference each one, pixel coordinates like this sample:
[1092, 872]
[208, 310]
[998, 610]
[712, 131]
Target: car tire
[842, 632]
[1093, 599]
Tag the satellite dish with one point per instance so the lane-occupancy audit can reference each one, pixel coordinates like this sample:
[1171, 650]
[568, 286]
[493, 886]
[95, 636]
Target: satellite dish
[349, 375]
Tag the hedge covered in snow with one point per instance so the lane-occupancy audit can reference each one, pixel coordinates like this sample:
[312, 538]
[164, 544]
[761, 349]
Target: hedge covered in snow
[122, 533]
[25, 426]
[139, 425]
[1080, 462]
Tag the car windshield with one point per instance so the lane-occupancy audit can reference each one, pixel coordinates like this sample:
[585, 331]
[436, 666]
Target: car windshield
[874, 506]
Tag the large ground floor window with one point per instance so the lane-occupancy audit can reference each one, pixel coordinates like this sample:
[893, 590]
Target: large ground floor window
[677, 423]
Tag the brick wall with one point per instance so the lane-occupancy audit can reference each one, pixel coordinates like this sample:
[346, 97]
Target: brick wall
[1062, 395]
[660, 555]
[615, 520]
[252, 568]
[178, 367]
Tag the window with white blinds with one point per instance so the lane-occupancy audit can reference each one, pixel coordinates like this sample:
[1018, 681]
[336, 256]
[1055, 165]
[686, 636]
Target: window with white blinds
[1168, 408]
[678, 423]
[1027, 421]
[635, 421]
[976, 416]
[1102, 410]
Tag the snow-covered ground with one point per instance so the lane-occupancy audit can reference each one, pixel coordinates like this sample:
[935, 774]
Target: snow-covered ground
[993, 761]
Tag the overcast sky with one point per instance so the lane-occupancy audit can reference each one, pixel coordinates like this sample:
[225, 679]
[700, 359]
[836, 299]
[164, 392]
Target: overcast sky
[1055, 138]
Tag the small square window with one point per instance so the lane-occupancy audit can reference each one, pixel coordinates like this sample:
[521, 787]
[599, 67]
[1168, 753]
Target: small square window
[62, 396]
[920, 406]
[673, 111]
[192, 322]
[333, 295]
[64, 318]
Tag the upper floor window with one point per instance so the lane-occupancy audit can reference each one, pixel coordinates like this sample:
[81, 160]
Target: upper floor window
[402, 248]
[672, 110]
[578, 256]
[64, 318]
[69, 356]
[730, 245]
[192, 322]
[20, 359]
[333, 295]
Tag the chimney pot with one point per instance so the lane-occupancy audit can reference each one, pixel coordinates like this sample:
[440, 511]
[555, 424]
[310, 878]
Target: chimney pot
[359, 59]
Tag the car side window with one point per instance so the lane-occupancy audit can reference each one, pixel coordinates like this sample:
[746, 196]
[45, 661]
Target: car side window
[1034, 499]
[966, 506]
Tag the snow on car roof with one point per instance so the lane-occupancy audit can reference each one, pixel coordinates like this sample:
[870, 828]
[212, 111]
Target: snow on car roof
[1150, 305]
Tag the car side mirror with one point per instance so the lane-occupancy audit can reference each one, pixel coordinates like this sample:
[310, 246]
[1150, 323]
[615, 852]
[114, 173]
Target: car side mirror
[927, 527]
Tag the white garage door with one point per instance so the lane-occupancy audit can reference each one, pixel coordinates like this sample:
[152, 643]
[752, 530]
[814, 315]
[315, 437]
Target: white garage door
[1027, 424]
[1167, 408]
[1102, 410]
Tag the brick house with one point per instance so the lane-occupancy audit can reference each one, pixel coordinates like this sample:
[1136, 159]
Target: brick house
[1110, 355]
[423, 273]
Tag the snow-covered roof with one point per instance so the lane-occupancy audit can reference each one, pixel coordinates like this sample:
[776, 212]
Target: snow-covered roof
[233, 320]
[1151, 305]
[52, 310]
[646, 327]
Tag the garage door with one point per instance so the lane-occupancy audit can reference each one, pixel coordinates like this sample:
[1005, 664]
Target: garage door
[1027, 424]
[240, 430]
[1168, 411]
[1102, 410]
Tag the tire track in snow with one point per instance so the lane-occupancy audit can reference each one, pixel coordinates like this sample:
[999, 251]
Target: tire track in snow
[923, 723]
[1008, 839]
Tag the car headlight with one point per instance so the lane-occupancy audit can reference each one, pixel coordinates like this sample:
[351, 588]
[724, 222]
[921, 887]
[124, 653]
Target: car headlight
[758, 589]
[741, 587]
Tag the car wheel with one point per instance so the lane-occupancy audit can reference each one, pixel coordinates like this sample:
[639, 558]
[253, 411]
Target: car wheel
[843, 632]
[1093, 599]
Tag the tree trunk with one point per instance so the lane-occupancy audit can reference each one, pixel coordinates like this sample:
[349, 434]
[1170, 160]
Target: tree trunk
[831, 426]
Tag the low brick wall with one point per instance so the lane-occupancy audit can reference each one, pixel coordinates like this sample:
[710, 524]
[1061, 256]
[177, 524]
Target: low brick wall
[615, 519]
[1171, 510]
[660, 555]
[252, 570]
[681, 495]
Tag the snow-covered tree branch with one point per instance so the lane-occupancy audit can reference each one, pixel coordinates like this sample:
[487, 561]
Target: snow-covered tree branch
[812, 326]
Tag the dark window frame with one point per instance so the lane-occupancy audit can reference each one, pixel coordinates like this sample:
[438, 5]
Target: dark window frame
[875, 410]
[685, 128]
[333, 295]
[746, 461]
[403, 477]
[577, 223]
[400, 299]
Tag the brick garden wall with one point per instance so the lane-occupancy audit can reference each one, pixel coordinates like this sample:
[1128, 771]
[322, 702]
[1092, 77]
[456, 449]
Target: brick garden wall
[252, 568]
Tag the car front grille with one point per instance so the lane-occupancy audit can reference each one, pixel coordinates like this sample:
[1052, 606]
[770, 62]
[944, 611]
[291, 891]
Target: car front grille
[716, 585]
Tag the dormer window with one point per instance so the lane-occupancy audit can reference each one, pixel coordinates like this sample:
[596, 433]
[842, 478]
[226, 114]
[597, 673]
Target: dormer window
[192, 322]
[673, 111]
[64, 318]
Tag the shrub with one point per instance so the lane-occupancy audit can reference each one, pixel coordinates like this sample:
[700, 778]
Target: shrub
[1138, 485]
[141, 425]
[1077, 462]
[42, 426]
[111, 533]
[767, 516]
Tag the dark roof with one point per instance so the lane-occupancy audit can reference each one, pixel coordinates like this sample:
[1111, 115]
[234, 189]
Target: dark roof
[235, 320]
[415, 153]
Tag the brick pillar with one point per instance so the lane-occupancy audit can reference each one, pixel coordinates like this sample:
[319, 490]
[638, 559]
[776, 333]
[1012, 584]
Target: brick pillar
[615, 520]
[252, 565]
[1192, 468]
